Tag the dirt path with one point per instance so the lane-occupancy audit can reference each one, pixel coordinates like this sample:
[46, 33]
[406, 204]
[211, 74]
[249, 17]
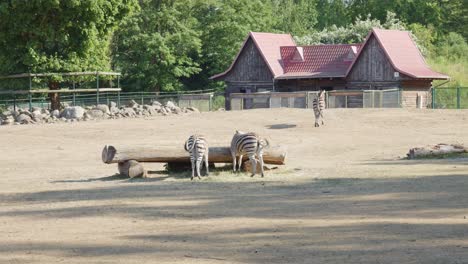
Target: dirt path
[344, 197]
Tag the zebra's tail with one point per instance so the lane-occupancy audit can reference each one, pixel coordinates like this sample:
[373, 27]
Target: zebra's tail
[187, 145]
[263, 143]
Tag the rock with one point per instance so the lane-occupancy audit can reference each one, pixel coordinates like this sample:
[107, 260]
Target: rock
[156, 103]
[23, 119]
[112, 104]
[157, 107]
[114, 110]
[133, 104]
[45, 111]
[35, 108]
[95, 113]
[170, 105]
[221, 110]
[193, 109]
[26, 112]
[37, 115]
[6, 114]
[176, 110]
[55, 113]
[104, 108]
[128, 112]
[8, 121]
[76, 112]
[63, 119]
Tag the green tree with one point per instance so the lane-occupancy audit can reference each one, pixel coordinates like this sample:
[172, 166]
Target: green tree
[297, 17]
[159, 46]
[58, 35]
[332, 12]
[224, 25]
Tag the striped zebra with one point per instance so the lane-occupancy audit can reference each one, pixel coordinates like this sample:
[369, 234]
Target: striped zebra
[197, 146]
[318, 104]
[249, 144]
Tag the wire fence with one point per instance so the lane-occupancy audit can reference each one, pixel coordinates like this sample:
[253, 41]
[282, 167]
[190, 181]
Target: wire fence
[204, 100]
[450, 98]
[334, 99]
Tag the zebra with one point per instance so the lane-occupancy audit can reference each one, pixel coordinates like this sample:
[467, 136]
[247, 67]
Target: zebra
[318, 104]
[197, 146]
[249, 144]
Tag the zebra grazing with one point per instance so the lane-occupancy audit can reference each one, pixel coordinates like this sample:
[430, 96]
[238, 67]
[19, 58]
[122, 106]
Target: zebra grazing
[197, 146]
[249, 144]
[318, 105]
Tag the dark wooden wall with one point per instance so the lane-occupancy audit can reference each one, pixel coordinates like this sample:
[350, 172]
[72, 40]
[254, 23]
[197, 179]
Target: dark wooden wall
[309, 84]
[250, 66]
[372, 70]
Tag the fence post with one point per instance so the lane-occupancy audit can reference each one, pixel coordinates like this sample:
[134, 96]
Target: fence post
[97, 88]
[433, 97]
[30, 101]
[458, 98]
[142, 100]
[118, 99]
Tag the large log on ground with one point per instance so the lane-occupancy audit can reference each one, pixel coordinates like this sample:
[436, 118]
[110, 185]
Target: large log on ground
[111, 154]
[436, 151]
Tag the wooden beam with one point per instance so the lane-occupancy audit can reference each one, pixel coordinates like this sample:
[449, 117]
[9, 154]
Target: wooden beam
[111, 154]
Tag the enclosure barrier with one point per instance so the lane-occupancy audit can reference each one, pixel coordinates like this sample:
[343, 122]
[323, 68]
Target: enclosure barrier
[390, 98]
[201, 99]
[450, 98]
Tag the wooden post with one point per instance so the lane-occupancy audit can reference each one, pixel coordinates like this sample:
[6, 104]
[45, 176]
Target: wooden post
[74, 94]
[97, 88]
[30, 95]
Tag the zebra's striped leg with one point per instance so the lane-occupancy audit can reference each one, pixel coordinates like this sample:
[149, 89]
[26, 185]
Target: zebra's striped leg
[316, 124]
[260, 160]
[240, 162]
[199, 163]
[254, 165]
[193, 168]
[206, 163]
[234, 160]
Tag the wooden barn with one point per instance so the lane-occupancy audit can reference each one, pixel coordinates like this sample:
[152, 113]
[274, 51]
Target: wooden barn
[387, 59]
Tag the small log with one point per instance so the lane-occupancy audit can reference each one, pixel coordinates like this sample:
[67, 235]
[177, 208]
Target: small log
[131, 168]
[110, 154]
[436, 150]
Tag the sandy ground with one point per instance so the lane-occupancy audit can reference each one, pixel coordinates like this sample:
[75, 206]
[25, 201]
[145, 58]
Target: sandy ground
[345, 195]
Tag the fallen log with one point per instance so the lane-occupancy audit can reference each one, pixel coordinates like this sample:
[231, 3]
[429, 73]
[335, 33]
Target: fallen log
[131, 168]
[436, 150]
[110, 154]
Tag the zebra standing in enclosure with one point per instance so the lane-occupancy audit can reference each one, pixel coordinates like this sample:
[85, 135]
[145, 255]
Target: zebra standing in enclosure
[197, 146]
[249, 144]
[318, 104]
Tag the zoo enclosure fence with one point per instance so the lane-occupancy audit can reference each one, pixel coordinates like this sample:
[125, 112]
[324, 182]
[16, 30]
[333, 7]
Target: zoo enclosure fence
[201, 99]
[449, 97]
[334, 99]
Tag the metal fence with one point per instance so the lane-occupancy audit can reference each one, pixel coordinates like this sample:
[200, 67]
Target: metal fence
[450, 97]
[334, 99]
[203, 99]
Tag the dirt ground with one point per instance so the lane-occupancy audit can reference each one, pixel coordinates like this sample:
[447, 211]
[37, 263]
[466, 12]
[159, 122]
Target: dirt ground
[345, 195]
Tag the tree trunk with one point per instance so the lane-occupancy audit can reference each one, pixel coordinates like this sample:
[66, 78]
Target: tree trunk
[54, 97]
[435, 151]
[110, 154]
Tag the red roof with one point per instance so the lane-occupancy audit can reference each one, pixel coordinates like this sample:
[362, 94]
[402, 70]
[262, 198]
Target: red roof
[317, 61]
[269, 46]
[403, 54]
[288, 61]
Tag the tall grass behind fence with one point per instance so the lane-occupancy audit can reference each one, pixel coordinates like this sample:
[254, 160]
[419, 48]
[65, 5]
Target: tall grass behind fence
[450, 98]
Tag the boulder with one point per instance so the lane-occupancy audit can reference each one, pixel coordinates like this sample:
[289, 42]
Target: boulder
[37, 115]
[104, 108]
[23, 119]
[73, 112]
[55, 113]
[8, 121]
[170, 105]
[133, 104]
[95, 113]
[128, 112]
[112, 104]
[193, 109]
[156, 103]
